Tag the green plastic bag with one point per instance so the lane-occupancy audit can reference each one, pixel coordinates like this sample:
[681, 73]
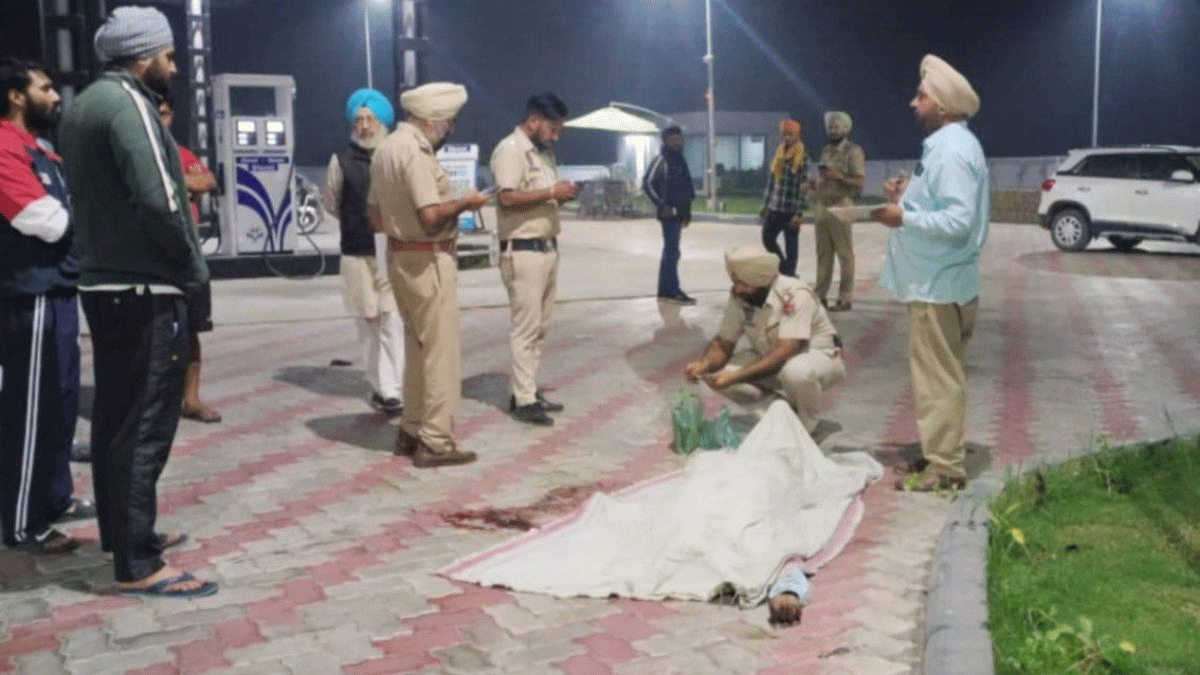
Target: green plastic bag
[692, 431]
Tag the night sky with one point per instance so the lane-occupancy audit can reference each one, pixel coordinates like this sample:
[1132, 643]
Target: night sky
[1031, 62]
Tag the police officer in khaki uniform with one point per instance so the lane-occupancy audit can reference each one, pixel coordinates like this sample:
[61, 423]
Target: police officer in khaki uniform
[529, 193]
[796, 352]
[842, 172]
[410, 200]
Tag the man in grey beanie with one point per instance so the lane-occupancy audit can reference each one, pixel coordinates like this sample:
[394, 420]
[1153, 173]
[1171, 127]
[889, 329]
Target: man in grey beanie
[140, 258]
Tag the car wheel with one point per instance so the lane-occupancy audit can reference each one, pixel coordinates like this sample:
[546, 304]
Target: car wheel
[1070, 230]
[1124, 243]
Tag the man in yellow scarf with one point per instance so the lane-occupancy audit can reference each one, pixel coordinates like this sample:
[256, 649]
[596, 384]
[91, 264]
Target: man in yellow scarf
[783, 200]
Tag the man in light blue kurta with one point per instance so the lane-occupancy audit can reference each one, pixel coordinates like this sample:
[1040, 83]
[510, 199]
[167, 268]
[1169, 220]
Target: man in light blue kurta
[940, 218]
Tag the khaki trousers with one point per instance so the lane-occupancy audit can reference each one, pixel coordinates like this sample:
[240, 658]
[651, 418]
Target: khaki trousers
[938, 337]
[531, 279]
[426, 286]
[834, 237]
[800, 382]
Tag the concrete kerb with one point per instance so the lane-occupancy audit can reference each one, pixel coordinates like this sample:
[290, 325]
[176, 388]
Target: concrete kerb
[958, 639]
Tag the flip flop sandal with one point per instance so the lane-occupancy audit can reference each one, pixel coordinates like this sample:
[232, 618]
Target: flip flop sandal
[55, 543]
[80, 509]
[162, 589]
[205, 415]
[909, 468]
[166, 541]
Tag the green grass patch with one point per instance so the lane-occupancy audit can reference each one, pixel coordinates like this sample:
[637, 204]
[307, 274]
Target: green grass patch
[1094, 565]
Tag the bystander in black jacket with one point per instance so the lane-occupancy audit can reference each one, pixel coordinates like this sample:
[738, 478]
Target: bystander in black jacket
[668, 183]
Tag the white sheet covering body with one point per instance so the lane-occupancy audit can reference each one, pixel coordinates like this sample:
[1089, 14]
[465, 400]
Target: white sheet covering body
[729, 520]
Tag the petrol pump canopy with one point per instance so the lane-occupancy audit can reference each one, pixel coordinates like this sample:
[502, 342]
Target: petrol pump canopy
[614, 119]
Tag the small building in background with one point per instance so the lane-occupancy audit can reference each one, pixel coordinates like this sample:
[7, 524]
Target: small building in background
[745, 142]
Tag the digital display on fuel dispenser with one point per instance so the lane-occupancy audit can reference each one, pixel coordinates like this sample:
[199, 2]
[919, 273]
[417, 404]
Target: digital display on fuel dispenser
[276, 134]
[247, 133]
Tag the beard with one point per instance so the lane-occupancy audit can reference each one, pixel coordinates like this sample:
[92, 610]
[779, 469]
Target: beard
[836, 138]
[930, 122]
[157, 79]
[439, 137]
[43, 118]
[758, 298]
[370, 141]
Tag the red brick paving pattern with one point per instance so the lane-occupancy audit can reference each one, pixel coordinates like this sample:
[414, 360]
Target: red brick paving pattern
[866, 613]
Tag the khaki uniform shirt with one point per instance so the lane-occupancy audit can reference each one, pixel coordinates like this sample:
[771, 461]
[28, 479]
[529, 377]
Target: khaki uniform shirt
[791, 312]
[517, 164]
[406, 177]
[848, 159]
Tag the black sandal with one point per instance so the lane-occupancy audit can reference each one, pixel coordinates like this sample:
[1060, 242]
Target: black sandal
[54, 543]
[166, 541]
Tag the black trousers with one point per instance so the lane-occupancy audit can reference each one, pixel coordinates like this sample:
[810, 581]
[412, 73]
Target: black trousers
[35, 333]
[66, 333]
[140, 344]
[776, 223]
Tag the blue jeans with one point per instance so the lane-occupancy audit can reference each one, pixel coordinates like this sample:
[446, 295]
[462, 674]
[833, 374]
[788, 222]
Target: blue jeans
[774, 224]
[668, 265]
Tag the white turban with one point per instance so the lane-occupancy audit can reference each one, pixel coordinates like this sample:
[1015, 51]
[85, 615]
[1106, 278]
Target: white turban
[839, 116]
[435, 101]
[138, 32]
[948, 87]
[752, 265]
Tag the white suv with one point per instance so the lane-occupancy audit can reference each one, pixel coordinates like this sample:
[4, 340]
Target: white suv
[1124, 194]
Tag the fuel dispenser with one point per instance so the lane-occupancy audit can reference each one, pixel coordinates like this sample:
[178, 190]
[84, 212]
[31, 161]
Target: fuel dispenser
[255, 142]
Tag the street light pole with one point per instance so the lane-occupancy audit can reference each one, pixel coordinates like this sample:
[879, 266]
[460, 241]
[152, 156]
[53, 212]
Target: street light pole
[712, 111]
[1096, 78]
[367, 42]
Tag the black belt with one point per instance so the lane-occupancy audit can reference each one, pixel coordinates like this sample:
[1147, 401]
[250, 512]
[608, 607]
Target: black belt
[539, 245]
[837, 341]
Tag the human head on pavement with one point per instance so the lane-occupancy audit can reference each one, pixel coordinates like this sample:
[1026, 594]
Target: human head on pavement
[433, 108]
[139, 39]
[30, 100]
[672, 138]
[370, 115]
[545, 114]
[944, 95]
[838, 125]
[753, 271]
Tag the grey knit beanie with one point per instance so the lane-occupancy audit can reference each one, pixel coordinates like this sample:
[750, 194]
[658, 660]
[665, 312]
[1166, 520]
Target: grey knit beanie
[137, 32]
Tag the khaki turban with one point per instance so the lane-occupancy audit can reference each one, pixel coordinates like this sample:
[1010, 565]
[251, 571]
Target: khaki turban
[434, 102]
[948, 87]
[839, 116]
[752, 265]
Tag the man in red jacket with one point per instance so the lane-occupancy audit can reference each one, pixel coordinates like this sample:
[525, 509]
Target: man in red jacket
[200, 181]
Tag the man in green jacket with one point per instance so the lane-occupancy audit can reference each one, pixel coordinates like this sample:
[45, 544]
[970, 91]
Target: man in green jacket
[140, 258]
